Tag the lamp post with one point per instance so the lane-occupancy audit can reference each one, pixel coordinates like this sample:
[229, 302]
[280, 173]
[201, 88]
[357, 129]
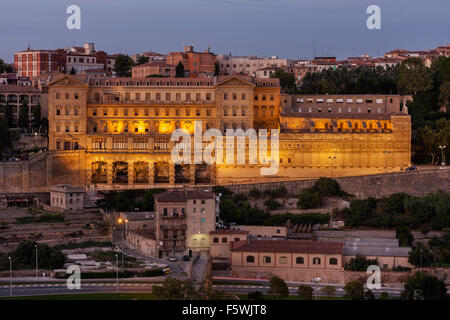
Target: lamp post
[123, 223]
[37, 268]
[386, 152]
[117, 274]
[331, 162]
[442, 155]
[10, 276]
[316, 281]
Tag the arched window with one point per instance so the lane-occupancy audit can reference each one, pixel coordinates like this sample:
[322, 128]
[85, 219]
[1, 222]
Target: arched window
[250, 259]
[283, 260]
[216, 240]
[333, 261]
[224, 240]
[237, 239]
[316, 260]
[267, 259]
[299, 260]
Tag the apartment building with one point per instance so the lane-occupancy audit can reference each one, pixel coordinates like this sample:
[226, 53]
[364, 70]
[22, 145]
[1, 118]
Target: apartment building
[249, 65]
[195, 63]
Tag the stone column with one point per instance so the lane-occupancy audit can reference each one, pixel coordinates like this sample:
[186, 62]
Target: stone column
[171, 173]
[130, 173]
[109, 172]
[192, 173]
[151, 173]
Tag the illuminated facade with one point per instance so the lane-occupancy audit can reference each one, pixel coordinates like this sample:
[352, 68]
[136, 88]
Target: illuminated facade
[115, 132]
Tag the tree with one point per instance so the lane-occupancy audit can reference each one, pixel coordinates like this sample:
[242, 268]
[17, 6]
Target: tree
[424, 286]
[309, 200]
[404, 236]
[179, 70]
[142, 60]
[278, 287]
[420, 256]
[216, 69]
[73, 71]
[327, 187]
[361, 263]
[329, 291]
[444, 94]
[37, 116]
[5, 139]
[9, 115]
[384, 296]
[368, 295]
[24, 115]
[255, 193]
[354, 290]
[255, 295]
[305, 292]
[123, 65]
[413, 77]
[428, 140]
[272, 204]
[148, 202]
[5, 67]
[287, 80]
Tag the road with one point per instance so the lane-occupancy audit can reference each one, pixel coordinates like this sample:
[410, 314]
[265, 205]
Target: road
[100, 287]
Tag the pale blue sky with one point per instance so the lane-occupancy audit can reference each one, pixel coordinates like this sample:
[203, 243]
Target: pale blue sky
[287, 28]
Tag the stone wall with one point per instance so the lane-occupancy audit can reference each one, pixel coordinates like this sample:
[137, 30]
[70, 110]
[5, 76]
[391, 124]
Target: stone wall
[413, 182]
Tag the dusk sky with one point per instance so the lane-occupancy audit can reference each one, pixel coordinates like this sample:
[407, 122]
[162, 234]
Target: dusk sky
[287, 28]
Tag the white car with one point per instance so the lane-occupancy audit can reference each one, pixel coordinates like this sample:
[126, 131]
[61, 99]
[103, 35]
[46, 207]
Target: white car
[172, 259]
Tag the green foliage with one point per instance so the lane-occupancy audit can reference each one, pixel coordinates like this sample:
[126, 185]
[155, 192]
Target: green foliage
[280, 192]
[404, 236]
[305, 292]
[423, 286]
[179, 70]
[5, 138]
[5, 67]
[278, 287]
[255, 295]
[361, 263]
[73, 71]
[354, 290]
[23, 115]
[329, 291]
[255, 193]
[142, 60]
[129, 200]
[350, 81]
[272, 204]
[123, 65]
[327, 187]
[384, 296]
[222, 190]
[50, 217]
[287, 80]
[368, 295]
[36, 110]
[420, 256]
[413, 77]
[149, 199]
[309, 200]
[216, 69]
[174, 289]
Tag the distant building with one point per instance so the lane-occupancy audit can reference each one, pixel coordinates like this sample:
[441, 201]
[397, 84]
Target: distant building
[221, 242]
[249, 65]
[13, 78]
[153, 56]
[292, 260]
[195, 63]
[184, 220]
[67, 197]
[263, 232]
[16, 95]
[154, 68]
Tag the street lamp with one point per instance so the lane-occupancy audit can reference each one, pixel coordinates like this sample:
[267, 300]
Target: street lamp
[331, 161]
[316, 281]
[123, 234]
[442, 155]
[10, 276]
[37, 275]
[117, 274]
[386, 152]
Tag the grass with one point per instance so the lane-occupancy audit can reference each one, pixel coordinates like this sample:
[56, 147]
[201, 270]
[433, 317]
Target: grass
[88, 296]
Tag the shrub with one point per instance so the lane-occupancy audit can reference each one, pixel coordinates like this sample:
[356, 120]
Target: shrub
[327, 187]
[305, 292]
[360, 263]
[255, 193]
[330, 291]
[309, 200]
[255, 295]
[272, 204]
[354, 290]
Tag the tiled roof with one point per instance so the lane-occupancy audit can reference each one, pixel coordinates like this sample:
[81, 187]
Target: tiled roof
[289, 246]
[7, 88]
[182, 195]
[229, 231]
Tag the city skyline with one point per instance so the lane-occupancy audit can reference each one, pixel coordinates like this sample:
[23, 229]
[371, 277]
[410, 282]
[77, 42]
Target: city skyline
[296, 30]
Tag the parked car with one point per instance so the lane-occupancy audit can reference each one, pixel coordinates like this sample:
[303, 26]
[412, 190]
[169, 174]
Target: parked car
[412, 168]
[172, 259]
[186, 258]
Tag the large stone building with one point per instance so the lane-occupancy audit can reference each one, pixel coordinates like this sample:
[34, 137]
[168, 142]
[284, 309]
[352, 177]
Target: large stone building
[116, 132]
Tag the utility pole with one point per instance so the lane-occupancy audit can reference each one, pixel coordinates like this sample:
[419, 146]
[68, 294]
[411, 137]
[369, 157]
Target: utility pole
[10, 276]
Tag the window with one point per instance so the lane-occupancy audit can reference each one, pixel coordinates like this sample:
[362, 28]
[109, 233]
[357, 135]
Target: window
[316, 260]
[216, 240]
[250, 259]
[225, 96]
[267, 259]
[224, 240]
[299, 260]
[75, 95]
[283, 260]
[237, 239]
[333, 261]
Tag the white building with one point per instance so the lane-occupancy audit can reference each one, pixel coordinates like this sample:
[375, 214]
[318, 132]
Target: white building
[250, 64]
[67, 197]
